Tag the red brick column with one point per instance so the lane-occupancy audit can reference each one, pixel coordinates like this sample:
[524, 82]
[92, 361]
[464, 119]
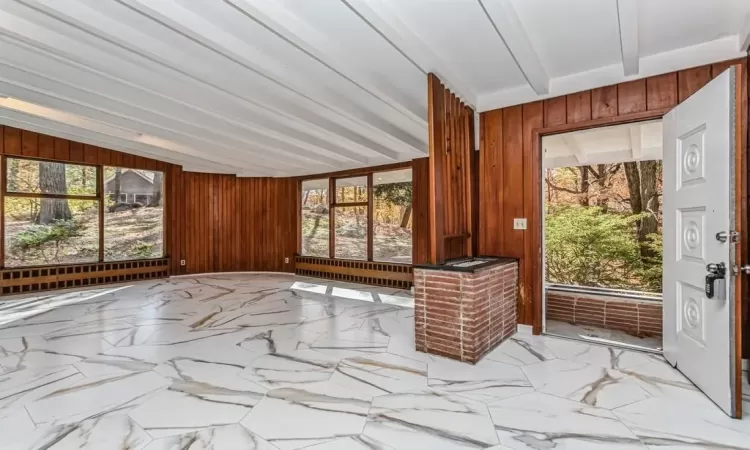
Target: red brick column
[464, 315]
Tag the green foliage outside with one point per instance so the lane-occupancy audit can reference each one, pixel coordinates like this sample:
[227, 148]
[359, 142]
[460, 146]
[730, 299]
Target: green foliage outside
[587, 246]
[37, 235]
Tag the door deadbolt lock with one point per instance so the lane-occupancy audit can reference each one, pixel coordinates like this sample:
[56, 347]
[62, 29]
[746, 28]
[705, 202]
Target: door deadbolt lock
[716, 281]
[732, 236]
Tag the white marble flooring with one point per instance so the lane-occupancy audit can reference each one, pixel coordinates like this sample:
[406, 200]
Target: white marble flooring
[277, 362]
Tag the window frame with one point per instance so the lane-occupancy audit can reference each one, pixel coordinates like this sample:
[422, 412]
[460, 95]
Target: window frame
[333, 204]
[99, 197]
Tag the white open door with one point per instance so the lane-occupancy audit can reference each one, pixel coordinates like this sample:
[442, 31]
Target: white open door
[700, 333]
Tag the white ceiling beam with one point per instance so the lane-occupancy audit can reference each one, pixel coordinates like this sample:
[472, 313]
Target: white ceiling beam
[281, 21]
[162, 80]
[722, 49]
[346, 104]
[182, 143]
[207, 132]
[575, 148]
[627, 17]
[381, 18]
[509, 28]
[744, 37]
[636, 144]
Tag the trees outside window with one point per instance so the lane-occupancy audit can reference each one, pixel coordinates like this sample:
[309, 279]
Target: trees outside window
[371, 217]
[52, 213]
[603, 225]
[392, 234]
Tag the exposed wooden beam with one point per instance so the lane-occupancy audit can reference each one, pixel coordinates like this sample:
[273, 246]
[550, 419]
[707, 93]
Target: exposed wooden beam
[509, 28]
[575, 148]
[636, 144]
[627, 17]
[381, 18]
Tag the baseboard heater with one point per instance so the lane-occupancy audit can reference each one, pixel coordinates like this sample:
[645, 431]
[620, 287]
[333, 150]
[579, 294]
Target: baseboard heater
[393, 275]
[35, 279]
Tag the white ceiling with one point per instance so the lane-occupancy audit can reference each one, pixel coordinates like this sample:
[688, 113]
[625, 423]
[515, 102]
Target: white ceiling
[293, 87]
[640, 141]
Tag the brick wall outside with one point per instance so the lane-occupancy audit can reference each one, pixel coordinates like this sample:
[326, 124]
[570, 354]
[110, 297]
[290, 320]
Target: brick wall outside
[642, 318]
[464, 315]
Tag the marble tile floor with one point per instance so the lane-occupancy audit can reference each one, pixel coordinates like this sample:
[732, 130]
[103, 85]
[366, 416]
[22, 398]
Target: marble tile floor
[277, 362]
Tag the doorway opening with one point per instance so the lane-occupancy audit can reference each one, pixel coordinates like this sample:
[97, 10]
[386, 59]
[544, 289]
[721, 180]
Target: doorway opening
[602, 235]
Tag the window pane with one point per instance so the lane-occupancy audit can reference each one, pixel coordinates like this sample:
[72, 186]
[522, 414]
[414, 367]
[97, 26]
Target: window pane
[44, 177]
[134, 225]
[349, 190]
[392, 225]
[50, 231]
[351, 232]
[315, 218]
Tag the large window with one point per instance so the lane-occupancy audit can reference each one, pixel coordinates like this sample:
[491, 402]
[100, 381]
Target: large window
[134, 223]
[370, 216]
[315, 218]
[57, 213]
[392, 216]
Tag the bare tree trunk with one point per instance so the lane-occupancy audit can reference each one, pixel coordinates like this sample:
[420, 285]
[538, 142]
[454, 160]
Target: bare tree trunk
[12, 174]
[649, 196]
[406, 216]
[644, 198]
[304, 200]
[602, 199]
[156, 196]
[52, 181]
[118, 184]
[583, 198]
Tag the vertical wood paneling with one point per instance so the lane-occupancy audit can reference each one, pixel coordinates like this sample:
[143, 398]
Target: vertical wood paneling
[450, 215]
[46, 146]
[420, 206]
[62, 149]
[12, 138]
[555, 111]
[512, 240]
[661, 91]
[690, 80]
[631, 97]
[504, 177]
[533, 118]
[579, 107]
[29, 144]
[491, 174]
[604, 102]
[76, 152]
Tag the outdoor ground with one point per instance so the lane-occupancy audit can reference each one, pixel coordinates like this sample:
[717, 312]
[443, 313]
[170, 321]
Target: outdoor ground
[390, 242]
[132, 234]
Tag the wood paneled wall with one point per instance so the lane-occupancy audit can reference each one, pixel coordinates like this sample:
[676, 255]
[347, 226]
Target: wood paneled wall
[451, 135]
[510, 172]
[17, 142]
[216, 223]
[420, 211]
[236, 224]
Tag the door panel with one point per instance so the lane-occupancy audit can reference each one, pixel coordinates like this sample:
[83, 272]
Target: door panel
[699, 192]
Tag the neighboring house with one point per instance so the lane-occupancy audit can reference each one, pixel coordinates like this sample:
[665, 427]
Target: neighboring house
[135, 186]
